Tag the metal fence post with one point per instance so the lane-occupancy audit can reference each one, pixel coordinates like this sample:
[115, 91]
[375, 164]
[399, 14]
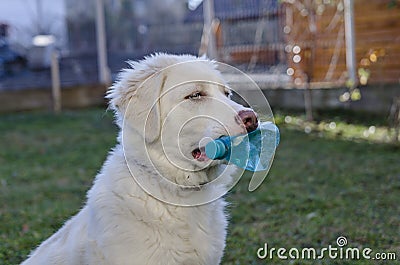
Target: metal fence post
[208, 11]
[104, 72]
[350, 41]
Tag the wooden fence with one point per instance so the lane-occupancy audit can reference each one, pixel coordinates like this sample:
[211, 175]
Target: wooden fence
[315, 42]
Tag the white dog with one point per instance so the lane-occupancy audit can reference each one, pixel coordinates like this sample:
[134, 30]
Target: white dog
[167, 107]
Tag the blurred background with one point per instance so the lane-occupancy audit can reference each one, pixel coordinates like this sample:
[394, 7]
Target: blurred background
[302, 53]
[330, 70]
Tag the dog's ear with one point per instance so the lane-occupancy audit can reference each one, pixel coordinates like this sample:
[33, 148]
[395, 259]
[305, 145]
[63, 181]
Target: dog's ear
[137, 103]
[146, 106]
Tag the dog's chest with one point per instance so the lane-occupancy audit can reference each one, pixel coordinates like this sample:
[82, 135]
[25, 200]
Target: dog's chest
[193, 235]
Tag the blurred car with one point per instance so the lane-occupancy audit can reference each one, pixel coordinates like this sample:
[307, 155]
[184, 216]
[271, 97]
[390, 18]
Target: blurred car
[10, 61]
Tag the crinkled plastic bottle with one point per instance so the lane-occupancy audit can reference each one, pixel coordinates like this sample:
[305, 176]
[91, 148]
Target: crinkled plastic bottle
[253, 151]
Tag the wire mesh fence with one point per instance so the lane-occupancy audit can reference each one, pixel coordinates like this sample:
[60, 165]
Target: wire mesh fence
[296, 41]
[249, 36]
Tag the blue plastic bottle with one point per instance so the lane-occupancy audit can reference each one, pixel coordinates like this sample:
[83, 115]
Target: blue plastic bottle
[253, 151]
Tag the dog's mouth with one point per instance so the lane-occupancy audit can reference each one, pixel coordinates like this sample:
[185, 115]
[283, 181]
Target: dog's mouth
[199, 154]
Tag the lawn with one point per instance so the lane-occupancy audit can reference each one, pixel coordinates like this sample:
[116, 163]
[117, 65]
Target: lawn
[327, 180]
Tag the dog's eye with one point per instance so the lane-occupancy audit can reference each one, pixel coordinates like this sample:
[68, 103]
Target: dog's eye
[196, 95]
[228, 94]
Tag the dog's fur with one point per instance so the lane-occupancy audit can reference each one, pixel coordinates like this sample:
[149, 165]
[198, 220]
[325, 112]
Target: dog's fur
[123, 224]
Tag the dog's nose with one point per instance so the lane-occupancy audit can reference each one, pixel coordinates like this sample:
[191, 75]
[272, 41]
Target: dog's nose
[249, 119]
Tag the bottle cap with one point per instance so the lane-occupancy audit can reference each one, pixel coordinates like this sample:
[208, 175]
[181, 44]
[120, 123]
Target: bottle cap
[215, 149]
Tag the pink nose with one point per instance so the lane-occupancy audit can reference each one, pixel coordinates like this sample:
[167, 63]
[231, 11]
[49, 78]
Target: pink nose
[249, 119]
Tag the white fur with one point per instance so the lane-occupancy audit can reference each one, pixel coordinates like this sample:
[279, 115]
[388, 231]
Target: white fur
[121, 223]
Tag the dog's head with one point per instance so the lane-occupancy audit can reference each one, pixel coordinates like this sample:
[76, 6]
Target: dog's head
[176, 105]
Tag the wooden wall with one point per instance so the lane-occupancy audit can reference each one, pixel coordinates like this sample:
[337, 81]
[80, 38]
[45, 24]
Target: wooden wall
[322, 52]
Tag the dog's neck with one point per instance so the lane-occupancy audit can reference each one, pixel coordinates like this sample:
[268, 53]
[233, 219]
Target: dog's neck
[163, 179]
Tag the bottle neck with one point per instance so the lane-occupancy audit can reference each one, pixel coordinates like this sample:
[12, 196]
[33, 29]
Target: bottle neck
[219, 148]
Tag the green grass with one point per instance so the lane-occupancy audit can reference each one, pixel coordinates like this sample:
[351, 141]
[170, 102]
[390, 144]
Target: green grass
[323, 184]
[342, 124]
[47, 164]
